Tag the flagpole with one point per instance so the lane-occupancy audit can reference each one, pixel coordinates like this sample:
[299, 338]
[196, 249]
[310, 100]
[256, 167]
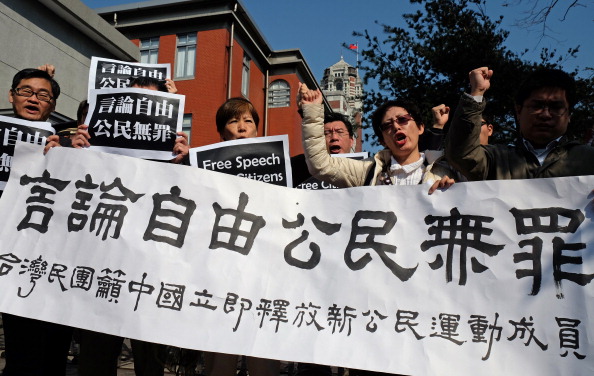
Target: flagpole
[357, 45]
[356, 48]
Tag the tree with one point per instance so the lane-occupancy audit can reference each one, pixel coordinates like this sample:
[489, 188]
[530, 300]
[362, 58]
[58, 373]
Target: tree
[428, 62]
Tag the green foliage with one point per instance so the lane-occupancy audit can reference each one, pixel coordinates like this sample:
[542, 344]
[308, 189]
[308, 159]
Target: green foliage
[429, 60]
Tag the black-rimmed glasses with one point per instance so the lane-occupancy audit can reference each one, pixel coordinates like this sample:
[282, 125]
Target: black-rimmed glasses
[43, 96]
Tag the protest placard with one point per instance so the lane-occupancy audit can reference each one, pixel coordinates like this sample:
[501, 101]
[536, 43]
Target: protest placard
[140, 123]
[314, 184]
[116, 74]
[264, 159]
[13, 130]
[489, 278]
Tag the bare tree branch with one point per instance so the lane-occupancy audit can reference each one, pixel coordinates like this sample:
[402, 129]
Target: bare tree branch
[540, 13]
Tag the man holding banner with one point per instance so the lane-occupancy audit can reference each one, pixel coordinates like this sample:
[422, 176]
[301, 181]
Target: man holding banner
[35, 347]
[148, 357]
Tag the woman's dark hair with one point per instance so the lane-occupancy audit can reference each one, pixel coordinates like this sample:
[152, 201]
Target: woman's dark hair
[378, 115]
[234, 108]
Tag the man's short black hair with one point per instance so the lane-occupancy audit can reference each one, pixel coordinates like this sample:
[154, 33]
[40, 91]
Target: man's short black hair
[147, 82]
[36, 73]
[378, 115]
[329, 117]
[547, 78]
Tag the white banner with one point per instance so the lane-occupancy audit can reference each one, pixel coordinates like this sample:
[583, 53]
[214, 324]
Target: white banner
[487, 278]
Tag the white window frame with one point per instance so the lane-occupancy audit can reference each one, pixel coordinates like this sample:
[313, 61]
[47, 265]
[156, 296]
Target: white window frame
[149, 50]
[245, 76]
[279, 94]
[185, 55]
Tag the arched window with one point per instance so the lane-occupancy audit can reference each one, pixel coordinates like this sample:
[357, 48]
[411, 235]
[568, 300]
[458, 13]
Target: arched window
[338, 84]
[279, 94]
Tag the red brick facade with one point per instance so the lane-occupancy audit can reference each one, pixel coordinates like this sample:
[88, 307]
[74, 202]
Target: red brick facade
[208, 89]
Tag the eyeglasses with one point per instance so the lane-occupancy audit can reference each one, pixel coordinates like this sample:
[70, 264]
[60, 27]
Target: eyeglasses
[400, 120]
[340, 133]
[554, 108]
[26, 92]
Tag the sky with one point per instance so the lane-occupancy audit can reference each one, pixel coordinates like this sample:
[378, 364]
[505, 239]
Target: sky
[319, 27]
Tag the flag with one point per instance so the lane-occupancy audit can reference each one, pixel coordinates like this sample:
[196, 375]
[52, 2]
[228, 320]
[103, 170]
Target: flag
[353, 47]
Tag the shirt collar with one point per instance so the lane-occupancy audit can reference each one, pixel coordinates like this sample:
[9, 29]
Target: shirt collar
[541, 154]
[550, 146]
[396, 167]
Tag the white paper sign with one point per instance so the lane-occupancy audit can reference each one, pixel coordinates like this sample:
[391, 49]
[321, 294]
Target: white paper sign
[486, 278]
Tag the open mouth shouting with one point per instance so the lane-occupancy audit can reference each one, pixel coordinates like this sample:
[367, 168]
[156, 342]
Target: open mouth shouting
[400, 138]
[32, 109]
[335, 149]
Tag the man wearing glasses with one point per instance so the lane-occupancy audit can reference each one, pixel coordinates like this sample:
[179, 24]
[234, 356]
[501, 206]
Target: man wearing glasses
[339, 136]
[543, 111]
[33, 94]
[34, 347]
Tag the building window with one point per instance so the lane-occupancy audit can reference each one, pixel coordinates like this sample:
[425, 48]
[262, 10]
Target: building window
[185, 60]
[149, 50]
[339, 85]
[279, 94]
[187, 125]
[245, 76]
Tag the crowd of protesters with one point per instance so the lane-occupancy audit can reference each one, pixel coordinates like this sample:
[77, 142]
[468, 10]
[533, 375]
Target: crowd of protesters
[543, 108]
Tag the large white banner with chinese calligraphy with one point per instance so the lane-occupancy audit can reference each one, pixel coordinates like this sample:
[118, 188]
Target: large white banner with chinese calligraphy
[487, 278]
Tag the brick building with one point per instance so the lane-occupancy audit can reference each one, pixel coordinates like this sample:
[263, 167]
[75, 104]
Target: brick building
[217, 52]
